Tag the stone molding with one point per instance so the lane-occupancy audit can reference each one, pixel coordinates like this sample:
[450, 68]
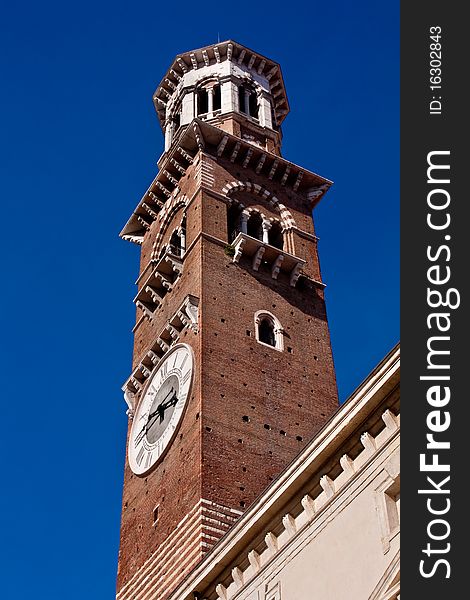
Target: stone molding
[200, 136]
[286, 217]
[278, 260]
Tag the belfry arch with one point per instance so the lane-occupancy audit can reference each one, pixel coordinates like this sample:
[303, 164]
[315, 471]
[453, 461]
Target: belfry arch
[286, 219]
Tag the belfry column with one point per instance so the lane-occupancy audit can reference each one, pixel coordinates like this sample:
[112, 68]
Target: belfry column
[247, 101]
[210, 102]
[244, 222]
[266, 227]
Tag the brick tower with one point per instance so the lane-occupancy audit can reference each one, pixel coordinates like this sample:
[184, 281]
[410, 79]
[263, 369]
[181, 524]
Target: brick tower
[232, 370]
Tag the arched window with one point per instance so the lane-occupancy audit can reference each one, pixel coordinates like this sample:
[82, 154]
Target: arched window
[269, 330]
[266, 332]
[276, 237]
[175, 244]
[209, 99]
[255, 226]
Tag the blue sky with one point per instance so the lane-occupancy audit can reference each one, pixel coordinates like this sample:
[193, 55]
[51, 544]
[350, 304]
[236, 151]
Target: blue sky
[78, 143]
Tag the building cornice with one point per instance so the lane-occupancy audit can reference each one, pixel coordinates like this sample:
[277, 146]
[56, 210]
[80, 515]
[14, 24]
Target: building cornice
[200, 136]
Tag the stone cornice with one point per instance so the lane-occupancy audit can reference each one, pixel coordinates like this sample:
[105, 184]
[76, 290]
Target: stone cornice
[200, 136]
[163, 187]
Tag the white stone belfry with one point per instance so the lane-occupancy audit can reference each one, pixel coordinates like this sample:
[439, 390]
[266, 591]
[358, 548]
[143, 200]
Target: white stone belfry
[225, 78]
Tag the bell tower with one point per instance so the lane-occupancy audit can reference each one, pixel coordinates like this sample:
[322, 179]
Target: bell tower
[232, 367]
[219, 85]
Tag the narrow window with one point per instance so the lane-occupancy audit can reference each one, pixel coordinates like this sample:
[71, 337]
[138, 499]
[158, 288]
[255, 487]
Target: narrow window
[254, 226]
[241, 99]
[387, 497]
[202, 102]
[217, 98]
[276, 238]
[175, 244]
[266, 332]
[253, 105]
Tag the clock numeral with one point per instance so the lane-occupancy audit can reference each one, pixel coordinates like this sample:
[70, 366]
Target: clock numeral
[186, 376]
[164, 368]
[148, 460]
[184, 361]
[176, 358]
[140, 437]
[140, 456]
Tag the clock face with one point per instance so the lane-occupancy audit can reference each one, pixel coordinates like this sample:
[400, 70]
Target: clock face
[160, 409]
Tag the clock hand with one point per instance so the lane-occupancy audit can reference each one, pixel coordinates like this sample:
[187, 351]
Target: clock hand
[143, 432]
[144, 429]
[172, 402]
[160, 411]
[159, 407]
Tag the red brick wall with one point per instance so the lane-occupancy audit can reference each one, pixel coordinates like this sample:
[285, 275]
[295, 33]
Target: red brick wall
[218, 455]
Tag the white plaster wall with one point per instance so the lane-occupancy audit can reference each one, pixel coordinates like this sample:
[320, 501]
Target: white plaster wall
[345, 561]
